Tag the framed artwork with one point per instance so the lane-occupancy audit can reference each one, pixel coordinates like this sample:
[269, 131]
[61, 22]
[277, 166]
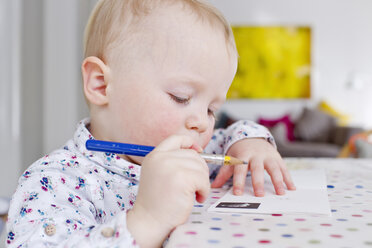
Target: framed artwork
[274, 62]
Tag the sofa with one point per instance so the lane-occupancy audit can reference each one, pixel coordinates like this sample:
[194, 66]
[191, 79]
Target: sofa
[338, 137]
[313, 134]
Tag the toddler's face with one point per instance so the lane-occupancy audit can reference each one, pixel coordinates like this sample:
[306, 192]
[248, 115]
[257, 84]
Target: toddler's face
[179, 79]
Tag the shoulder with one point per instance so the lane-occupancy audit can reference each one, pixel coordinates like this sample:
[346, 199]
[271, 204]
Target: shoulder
[61, 170]
[59, 178]
[60, 161]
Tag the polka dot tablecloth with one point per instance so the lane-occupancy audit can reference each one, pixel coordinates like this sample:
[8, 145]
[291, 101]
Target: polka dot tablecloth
[349, 183]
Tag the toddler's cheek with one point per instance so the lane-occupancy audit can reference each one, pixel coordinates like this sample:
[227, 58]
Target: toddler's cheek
[162, 131]
[206, 139]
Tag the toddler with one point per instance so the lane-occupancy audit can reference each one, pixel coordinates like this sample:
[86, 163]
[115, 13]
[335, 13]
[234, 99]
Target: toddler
[155, 73]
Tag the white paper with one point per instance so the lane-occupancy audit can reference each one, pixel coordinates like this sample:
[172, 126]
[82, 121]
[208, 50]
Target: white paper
[310, 196]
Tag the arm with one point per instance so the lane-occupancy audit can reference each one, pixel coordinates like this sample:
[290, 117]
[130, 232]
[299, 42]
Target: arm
[48, 210]
[172, 176]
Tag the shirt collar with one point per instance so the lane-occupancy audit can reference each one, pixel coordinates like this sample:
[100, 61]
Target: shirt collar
[110, 161]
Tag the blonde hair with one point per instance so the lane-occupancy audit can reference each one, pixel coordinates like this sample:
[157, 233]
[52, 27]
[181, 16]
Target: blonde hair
[111, 18]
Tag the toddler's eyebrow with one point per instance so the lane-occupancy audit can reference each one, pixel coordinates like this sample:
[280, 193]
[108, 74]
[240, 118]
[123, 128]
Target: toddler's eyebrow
[189, 80]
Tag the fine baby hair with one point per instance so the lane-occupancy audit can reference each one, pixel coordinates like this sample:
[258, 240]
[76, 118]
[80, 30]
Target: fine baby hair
[112, 22]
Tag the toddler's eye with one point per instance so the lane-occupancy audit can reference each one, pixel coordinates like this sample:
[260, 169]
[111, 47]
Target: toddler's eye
[182, 100]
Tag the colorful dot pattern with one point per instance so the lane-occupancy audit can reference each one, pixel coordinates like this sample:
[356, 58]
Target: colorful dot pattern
[349, 185]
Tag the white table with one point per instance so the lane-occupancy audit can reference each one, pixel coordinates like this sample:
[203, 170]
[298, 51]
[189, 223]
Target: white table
[349, 183]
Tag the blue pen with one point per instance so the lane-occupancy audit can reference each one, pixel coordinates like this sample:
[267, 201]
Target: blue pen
[140, 150]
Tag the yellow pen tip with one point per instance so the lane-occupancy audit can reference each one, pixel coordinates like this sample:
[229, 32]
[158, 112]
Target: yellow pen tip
[233, 161]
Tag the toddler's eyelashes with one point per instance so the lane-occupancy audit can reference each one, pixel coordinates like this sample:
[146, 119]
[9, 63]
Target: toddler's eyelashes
[181, 100]
[186, 100]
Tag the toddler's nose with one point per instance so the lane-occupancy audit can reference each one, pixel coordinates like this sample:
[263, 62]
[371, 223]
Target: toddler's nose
[197, 122]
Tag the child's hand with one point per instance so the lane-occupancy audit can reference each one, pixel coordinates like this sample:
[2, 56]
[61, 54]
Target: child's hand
[171, 176]
[260, 155]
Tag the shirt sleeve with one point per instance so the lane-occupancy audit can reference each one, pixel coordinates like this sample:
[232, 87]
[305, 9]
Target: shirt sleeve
[223, 139]
[46, 211]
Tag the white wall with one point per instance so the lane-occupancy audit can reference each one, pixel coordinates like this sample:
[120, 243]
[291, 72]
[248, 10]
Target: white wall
[64, 104]
[342, 47]
[40, 86]
[10, 148]
[62, 81]
[31, 81]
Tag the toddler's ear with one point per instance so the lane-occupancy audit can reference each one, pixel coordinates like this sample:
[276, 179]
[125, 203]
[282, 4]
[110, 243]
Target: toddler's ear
[95, 74]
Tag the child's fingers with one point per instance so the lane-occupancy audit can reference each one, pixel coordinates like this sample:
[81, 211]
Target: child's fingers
[240, 175]
[287, 177]
[223, 175]
[175, 142]
[275, 172]
[203, 189]
[257, 171]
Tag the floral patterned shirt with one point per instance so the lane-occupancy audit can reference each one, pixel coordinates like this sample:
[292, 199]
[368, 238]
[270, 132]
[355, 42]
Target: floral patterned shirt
[79, 198]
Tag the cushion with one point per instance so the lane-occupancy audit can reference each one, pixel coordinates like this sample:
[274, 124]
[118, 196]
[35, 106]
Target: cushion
[314, 126]
[363, 148]
[286, 120]
[308, 149]
[341, 118]
[279, 132]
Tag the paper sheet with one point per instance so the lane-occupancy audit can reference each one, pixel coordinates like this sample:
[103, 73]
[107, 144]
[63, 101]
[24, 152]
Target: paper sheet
[310, 196]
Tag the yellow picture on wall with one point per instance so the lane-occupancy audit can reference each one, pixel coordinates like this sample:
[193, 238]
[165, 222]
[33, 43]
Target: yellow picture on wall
[274, 62]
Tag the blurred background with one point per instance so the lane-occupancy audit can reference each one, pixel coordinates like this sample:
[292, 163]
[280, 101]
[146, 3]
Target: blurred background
[41, 99]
